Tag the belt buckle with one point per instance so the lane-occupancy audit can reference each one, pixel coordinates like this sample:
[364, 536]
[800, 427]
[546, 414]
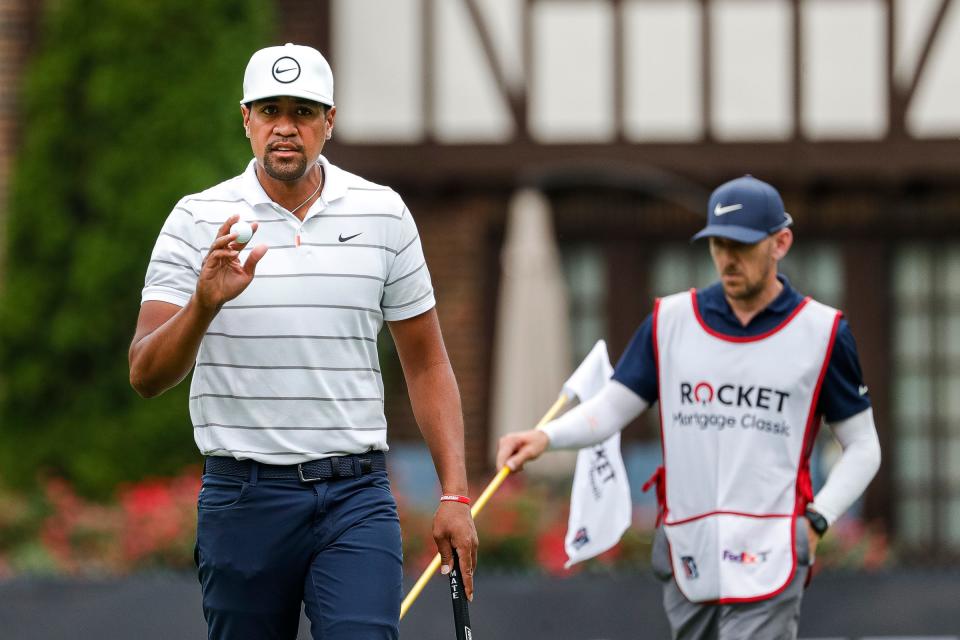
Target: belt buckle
[303, 478]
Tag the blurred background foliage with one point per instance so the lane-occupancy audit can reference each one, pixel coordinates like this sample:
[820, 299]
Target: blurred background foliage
[128, 105]
[151, 524]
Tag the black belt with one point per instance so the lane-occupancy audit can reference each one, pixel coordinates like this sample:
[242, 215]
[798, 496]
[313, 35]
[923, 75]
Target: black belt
[313, 471]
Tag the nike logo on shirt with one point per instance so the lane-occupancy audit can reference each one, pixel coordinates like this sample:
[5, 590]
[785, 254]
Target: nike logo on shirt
[721, 210]
[342, 239]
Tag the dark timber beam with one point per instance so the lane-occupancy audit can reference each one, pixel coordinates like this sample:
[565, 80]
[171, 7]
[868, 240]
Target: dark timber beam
[896, 110]
[427, 68]
[900, 97]
[619, 69]
[706, 70]
[935, 30]
[791, 161]
[797, 80]
[306, 23]
[516, 102]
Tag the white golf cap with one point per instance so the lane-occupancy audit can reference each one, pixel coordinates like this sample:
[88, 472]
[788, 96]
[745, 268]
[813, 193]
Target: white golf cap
[290, 70]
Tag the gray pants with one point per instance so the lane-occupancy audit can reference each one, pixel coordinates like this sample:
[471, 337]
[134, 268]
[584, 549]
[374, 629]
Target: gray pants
[774, 619]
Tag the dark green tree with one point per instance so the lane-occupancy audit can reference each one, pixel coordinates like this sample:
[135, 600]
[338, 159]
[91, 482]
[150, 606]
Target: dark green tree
[128, 105]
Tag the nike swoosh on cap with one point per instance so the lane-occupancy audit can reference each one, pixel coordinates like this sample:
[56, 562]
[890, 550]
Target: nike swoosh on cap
[284, 70]
[720, 210]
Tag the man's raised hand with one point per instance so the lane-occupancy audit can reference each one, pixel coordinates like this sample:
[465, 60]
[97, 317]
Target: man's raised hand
[222, 276]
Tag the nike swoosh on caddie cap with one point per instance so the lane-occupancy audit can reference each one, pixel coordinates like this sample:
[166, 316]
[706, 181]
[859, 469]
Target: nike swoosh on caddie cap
[719, 211]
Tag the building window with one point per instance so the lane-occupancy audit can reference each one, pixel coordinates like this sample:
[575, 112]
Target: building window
[816, 270]
[926, 402]
[678, 267]
[585, 269]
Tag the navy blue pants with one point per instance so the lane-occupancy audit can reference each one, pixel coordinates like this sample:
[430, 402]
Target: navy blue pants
[264, 546]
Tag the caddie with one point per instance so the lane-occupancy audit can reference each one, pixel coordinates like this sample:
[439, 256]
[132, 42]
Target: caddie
[287, 395]
[744, 371]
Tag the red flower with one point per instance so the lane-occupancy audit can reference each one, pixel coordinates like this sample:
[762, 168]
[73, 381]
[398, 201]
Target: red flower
[551, 553]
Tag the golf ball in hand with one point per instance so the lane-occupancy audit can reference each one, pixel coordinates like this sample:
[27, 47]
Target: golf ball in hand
[243, 230]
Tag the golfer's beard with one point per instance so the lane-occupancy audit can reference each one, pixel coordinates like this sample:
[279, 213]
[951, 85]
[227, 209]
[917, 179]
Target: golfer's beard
[286, 171]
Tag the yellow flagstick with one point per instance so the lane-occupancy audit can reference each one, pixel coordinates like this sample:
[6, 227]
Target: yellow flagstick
[477, 507]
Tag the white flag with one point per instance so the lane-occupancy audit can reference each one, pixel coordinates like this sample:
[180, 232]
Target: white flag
[600, 505]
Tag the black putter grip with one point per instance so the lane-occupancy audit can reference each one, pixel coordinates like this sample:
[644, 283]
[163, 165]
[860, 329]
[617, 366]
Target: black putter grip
[461, 609]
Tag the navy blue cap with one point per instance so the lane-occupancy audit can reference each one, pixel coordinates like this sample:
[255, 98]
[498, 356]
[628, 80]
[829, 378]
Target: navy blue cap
[746, 210]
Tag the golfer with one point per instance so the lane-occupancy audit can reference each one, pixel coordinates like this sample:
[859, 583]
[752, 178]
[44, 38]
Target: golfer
[743, 371]
[287, 395]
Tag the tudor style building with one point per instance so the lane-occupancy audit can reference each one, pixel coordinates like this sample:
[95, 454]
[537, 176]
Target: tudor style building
[625, 113]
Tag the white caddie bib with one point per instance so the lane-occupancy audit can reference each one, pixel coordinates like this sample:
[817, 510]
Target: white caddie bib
[738, 422]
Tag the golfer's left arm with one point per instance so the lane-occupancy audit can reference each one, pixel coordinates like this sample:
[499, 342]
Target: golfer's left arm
[436, 405]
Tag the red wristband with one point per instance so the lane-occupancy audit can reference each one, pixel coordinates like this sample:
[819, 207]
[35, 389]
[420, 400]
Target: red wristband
[454, 498]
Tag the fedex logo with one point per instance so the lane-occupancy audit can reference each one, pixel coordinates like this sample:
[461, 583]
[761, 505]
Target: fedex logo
[744, 557]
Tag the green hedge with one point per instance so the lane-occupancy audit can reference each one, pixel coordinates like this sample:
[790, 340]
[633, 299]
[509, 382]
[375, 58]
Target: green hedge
[127, 106]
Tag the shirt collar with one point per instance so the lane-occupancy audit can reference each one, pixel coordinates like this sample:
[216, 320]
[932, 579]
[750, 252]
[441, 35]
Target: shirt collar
[784, 302]
[334, 184]
[250, 188]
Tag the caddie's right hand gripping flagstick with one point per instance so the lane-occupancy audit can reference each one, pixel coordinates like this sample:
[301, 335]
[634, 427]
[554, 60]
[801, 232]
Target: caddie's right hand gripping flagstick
[461, 608]
[477, 507]
[582, 384]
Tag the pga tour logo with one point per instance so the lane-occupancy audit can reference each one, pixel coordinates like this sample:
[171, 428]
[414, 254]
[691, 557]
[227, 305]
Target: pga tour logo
[689, 567]
[581, 538]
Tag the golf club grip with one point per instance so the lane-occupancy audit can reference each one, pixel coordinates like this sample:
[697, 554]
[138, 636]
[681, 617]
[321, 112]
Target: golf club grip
[461, 609]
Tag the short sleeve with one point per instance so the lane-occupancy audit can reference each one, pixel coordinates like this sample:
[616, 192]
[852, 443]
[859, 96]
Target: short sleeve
[844, 393]
[175, 262]
[408, 291]
[637, 367]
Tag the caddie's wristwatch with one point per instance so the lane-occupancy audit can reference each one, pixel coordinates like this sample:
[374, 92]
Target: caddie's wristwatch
[817, 521]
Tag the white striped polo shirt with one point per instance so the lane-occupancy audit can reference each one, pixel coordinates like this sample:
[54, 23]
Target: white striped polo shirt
[288, 371]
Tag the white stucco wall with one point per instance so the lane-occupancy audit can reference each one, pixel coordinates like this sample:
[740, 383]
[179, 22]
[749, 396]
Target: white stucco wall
[570, 87]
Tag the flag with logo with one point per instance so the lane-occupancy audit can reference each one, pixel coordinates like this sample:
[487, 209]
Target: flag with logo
[600, 505]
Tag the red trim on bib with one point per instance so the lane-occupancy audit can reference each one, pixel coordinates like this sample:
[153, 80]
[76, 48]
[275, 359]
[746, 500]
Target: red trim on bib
[720, 512]
[728, 338]
[773, 594]
[662, 508]
[657, 481]
[804, 485]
